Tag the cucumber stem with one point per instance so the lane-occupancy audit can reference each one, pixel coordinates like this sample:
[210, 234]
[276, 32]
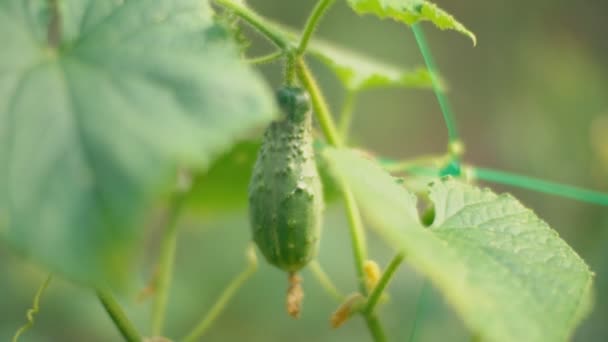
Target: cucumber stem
[272, 33]
[378, 290]
[311, 24]
[165, 266]
[118, 316]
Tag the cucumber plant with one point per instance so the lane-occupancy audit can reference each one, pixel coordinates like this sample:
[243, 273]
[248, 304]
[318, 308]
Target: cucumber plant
[108, 108]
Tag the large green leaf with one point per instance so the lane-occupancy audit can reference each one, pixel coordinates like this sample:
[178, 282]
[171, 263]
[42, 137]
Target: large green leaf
[508, 275]
[411, 12]
[357, 72]
[93, 131]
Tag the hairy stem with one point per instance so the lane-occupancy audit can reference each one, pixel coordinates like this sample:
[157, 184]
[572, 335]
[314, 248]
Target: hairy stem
[388, 274]
[126, 328]
[217, 308]
[446, 109]
[375, 328]
[266, 58]
[272, 33]
[165, 266]
[290, 69]
[311, 24]
[319, 104]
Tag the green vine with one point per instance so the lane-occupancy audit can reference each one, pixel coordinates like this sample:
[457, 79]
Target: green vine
[31, 313]
[118, 316]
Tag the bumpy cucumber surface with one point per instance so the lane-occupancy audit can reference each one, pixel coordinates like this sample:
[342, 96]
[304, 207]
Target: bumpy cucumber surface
[285, 194]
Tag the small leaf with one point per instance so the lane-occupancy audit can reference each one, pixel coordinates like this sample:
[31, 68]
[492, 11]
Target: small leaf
[411, 12]
[360, 73]
[91, 133]
[508, 275]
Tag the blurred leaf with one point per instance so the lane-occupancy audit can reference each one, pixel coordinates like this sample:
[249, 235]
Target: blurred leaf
[92, 132]
[411, 12]
[359, 73]
[508, 274]
[224, 186]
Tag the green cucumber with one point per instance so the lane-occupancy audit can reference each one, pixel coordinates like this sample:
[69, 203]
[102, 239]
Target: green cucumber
[285, 194]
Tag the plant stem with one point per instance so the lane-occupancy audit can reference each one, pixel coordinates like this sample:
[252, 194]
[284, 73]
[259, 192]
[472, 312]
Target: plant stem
[325, 281]
[126, 328]
[346, 114]
[540, 185]
[266, 58]
[388, 274]
[217, 308]
[290, 68]
[446, 109]
[311, 24]
[31, 313]
[272, 33]
[357, 233]
[357, 236]
[319, 104]
[375, 328]
[165, 267]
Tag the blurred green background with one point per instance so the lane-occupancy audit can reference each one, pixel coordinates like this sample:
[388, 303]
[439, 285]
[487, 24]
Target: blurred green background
[531, 98]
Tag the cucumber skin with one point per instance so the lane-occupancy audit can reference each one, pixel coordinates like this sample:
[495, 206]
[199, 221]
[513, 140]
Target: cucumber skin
[285, 193]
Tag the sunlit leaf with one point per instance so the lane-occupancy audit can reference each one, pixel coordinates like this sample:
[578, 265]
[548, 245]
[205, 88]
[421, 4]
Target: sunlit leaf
[93, 131]
[505, 271]
[411, 12]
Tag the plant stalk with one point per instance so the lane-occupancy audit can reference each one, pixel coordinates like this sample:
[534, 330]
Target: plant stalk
[165, 267]
[273, 34]
[126, 328]
[375, 328]
[378, 290]
[266, 58]
[354, 217]
[319, 104]
[312, 23]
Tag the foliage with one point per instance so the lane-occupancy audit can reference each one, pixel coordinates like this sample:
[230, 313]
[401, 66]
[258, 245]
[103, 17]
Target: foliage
[482, 250]
[104, 103]
[93, 130]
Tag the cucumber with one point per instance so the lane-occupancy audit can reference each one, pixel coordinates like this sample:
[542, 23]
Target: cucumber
[285, 193]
